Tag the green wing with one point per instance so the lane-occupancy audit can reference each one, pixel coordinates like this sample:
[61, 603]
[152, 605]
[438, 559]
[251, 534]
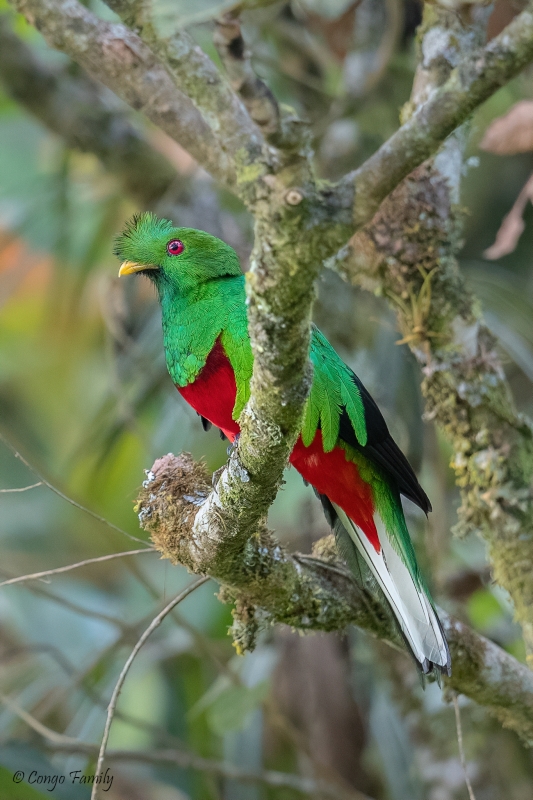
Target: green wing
[236, 343]
[239, 351]
[332, 390]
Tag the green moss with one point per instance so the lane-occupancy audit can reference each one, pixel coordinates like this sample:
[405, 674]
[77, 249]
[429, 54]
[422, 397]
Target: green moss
[248, 172]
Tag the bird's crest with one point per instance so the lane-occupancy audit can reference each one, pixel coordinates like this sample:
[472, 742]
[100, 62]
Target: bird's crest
[140, 229]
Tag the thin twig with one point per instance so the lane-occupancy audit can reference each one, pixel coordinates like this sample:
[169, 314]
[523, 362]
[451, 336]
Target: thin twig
[310, 786]
[48, 733]
[122, 677]
[162, 736]
[128, 632]
[64, 496]
[236, 57]
[205, 646]
[69, 567]
[76, 608]
[22, 488]
[459, 727]
[184, 759]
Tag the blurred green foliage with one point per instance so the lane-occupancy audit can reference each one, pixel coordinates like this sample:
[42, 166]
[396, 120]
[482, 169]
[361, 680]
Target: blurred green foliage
[84, 396]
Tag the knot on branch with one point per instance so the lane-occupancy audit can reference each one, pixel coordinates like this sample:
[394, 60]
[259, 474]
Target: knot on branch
[174, 490]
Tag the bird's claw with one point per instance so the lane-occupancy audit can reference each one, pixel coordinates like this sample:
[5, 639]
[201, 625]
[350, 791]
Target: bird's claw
[233, 445]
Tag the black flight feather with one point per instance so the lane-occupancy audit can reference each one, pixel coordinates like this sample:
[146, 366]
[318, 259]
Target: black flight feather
[382, 450]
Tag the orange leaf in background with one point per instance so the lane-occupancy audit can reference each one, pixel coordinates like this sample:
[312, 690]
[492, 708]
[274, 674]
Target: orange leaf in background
[512, 133]
[21, 268]
[512, 225]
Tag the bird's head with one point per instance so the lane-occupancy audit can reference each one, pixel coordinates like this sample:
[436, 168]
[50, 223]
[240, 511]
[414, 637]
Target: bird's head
[175, 259]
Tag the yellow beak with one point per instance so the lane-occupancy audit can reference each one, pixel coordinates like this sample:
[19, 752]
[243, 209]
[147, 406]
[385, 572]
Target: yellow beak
[129, 267]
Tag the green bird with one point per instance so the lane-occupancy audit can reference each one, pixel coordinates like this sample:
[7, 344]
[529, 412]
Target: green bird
[344, 449]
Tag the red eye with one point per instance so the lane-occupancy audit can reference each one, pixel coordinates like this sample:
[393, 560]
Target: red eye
[175, 247]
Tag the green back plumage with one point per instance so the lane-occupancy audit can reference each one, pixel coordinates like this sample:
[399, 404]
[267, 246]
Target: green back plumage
[193, 322]
[332, 389]
[203, 299]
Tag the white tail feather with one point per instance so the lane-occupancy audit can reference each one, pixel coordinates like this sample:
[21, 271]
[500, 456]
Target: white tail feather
[409, 603]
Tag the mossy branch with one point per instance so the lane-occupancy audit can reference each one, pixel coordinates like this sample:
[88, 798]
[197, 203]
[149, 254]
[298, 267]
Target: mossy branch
[479, 74]
[85, 117]
[268, 585]
[236, 58]
[216, 127]
[195, 74]
[115, 56]
[467, 395]
[408, 253]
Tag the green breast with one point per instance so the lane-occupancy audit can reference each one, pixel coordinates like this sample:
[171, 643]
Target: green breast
[193, 322]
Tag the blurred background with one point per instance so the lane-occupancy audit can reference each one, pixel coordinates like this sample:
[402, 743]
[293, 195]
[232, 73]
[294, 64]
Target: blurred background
[85, 399]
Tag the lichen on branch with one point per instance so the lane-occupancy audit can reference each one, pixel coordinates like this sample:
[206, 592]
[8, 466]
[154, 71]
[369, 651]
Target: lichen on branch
[75, 108]
[268, 585]
[408, 253]
[115, 56]
[194, 74]
[476, 77]
[415, 235]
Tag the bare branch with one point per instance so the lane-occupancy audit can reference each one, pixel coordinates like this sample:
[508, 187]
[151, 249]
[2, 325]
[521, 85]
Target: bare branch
[279, 780]
[77, 609]
[117, 57]
[475, 79]
[58, 742]
[38, 575]
[21, 489]
[185, 760]
[459, 728]
[197, 77]
[34, 724]
[122, 677]
[254, 93]
[85, 116]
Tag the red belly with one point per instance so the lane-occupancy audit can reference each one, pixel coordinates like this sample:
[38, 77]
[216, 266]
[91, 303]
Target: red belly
[336, 477]
[212, 395]
[213, 392]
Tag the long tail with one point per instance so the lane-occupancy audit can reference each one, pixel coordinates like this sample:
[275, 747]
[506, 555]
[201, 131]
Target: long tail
[408, 598]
